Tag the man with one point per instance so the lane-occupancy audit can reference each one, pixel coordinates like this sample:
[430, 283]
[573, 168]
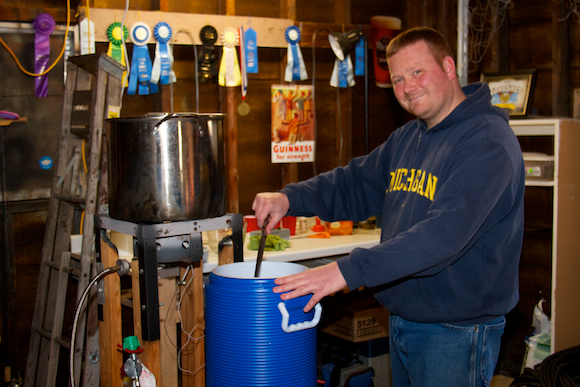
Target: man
[450, 188]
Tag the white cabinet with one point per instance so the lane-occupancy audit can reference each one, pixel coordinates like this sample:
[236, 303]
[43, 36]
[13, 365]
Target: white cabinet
[563, 137]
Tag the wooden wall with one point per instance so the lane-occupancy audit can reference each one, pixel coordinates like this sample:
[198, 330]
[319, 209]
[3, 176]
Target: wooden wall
[527, 40]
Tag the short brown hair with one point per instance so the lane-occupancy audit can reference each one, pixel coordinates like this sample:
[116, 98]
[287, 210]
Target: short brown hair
[437, 44]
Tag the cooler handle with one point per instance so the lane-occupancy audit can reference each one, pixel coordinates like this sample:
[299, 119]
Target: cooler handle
[302, 325]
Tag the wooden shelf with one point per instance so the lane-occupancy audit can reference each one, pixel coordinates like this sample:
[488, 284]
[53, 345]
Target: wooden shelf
[8, 122]
[565, 186]
[270, 31]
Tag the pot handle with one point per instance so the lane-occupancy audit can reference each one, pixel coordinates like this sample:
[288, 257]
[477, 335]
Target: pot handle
[167, 118]
[298, 326]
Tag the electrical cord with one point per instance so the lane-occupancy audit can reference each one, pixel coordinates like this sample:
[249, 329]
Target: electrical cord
[188, 33]
[97, 278]
[313, 87]
[57, 59]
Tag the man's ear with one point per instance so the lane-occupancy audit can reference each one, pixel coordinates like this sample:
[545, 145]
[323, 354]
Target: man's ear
[449, 67]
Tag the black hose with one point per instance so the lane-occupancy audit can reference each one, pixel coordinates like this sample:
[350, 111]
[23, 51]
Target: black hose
[561, 369]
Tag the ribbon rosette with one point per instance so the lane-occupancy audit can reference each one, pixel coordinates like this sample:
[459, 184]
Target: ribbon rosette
[295, 69]
[43, 25]
[162, 65]
[116, 38]
[229, 74]
[141, 62]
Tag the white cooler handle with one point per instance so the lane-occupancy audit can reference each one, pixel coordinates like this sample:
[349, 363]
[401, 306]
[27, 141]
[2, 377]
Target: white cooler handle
[302, 325]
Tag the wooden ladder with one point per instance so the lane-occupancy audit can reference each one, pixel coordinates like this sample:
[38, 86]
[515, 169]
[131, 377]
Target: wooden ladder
[93, 85]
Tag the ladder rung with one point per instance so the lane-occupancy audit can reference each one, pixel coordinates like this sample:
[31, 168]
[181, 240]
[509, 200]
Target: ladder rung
[62, 342]
[59, 340]
[66, 269]
[70, 199]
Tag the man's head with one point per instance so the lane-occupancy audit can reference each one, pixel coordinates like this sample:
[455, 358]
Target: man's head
[423, 74]
[438, 45]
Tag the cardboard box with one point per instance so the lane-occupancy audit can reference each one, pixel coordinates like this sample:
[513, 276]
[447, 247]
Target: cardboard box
[355, 317]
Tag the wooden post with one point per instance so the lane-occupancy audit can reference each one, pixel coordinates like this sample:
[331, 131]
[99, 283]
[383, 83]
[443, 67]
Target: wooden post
[561, 58]
[193, 325]
[231, 138]
[168, 326]
[110, 329]
[231, 131]
[576, 104]
[289, 171]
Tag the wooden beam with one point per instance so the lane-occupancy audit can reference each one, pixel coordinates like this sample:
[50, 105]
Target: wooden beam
[289, 171]
[168, 325]
[110, 328]
[561, 58]
[270, 30]
[342, 12]
[231, 139]
[288, 9]
[193, 322]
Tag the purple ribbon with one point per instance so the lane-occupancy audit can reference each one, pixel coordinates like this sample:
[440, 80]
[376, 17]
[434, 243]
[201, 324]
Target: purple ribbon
[43, 25]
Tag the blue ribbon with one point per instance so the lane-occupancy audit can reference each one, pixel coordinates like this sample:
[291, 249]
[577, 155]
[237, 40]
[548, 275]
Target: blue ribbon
[163, 52]
[251, 49]
[141, 66]
[141, 72]
[343, 73]
[359, 67]
[295, 64]
[294, 31]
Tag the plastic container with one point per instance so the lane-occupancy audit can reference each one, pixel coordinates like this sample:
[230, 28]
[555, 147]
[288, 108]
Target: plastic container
[252, 339]
[539, 166]
[343, 227]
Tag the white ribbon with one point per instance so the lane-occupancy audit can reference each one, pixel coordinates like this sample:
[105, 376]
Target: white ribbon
[229, 73]
[334, 81]
[290, 64]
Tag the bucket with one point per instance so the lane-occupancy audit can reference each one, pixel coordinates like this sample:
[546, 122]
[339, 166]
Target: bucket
[166, 167]
[252, 338]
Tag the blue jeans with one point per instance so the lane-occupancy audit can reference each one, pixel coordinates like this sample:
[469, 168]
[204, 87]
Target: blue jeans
[443, 355]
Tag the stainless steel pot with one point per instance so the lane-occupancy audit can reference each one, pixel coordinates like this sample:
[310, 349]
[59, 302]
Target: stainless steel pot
[166, 167]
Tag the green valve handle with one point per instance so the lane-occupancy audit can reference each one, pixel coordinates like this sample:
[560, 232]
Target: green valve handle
[131, 343]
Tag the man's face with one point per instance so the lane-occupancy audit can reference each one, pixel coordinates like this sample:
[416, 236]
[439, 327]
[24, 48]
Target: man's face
[421, 85]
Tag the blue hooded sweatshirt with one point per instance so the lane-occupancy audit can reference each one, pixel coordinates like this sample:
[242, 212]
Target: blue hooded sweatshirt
[451, 200]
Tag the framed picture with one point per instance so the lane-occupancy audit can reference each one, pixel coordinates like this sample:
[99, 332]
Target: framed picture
[512, 91]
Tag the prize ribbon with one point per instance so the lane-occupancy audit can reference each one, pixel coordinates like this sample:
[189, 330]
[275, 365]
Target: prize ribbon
[162, 65]
[43, 25]
[359, 67]
[295, 69]
[229, 73]
[115, 50]
[251, 51]
[342, 73]
[206, 66]
[141, 63]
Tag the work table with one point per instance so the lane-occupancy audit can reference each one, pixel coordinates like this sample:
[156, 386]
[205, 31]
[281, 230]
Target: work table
[304, 248]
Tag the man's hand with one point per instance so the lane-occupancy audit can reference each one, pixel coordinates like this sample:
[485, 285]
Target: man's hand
[275, 204]
[320, 281]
